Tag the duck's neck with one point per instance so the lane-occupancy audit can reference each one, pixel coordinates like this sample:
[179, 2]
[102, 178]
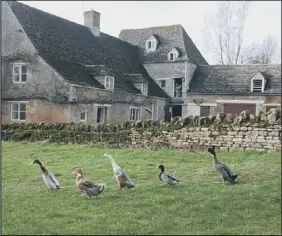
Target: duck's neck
[214, 158]
[114, 164]
[79, 177]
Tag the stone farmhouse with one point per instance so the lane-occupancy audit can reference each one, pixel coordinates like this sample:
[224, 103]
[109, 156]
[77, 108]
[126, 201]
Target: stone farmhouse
[54, 70]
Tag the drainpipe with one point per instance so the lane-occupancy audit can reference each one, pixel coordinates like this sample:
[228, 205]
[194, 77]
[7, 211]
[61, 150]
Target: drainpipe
[157, 109]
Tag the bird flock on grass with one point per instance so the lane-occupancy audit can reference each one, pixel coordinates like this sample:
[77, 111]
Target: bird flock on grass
[91, 188]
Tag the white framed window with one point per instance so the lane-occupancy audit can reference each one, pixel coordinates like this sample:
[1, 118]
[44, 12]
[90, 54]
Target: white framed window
[257, 85]
[109, 82]
[162, 83]
[18, 111]
[172, 56]
[19, 73]
[135, 113]
[144, 89]
[151, 45]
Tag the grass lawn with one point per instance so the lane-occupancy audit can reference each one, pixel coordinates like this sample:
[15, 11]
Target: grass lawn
[200, 204]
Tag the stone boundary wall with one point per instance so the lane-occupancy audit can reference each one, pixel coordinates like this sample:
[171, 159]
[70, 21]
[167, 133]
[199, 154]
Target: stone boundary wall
[228, 132]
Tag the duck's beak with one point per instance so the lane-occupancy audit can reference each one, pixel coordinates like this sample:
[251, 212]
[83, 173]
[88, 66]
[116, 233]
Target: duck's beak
[73, 173]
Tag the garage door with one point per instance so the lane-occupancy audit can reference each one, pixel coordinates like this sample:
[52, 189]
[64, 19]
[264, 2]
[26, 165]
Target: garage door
[237, 108]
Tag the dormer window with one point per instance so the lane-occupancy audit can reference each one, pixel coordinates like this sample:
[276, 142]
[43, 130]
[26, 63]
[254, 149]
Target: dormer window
[257, 83]
[151, 44]
[144, 89]
[173, 55]
[19, 73]
[109, 82]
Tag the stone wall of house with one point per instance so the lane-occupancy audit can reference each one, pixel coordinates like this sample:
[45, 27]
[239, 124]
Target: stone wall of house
[242, 132]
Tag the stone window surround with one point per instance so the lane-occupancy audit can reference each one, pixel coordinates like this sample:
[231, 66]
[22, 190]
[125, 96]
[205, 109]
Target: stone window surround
[20, 65]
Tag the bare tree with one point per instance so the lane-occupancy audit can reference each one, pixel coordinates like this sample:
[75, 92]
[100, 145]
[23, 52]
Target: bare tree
[225, 31]
[264, 53]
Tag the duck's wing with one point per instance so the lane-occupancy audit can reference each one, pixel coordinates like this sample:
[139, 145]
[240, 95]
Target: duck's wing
[169, 179]
[123, 179]
[226, 168]
[51, 180]
[172, 177]
[90, 184]
[225, 172]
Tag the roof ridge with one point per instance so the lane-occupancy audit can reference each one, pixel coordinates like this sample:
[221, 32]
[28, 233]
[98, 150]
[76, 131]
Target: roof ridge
[154, 27]
[274, 65]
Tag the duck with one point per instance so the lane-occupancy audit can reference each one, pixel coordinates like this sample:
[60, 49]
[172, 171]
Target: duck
[123, 180]
[49, 179]
[224, 171]
[167, 178]
[88, 187]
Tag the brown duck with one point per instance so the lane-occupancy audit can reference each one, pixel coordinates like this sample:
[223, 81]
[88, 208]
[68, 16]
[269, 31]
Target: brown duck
[86, 186]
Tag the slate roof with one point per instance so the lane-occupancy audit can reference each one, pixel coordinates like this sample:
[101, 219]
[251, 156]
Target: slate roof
[168, 37]
[234, 79]
[68, 46]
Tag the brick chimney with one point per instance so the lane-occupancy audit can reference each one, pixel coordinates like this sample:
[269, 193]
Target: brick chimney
[92, 21]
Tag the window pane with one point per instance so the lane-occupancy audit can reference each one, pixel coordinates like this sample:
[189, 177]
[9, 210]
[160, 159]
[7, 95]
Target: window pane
[15, 107]
[23, 107]
[162, 83]
[16, 69]
[82, 115]
[14, 115]
[17, 78]
[24, 69]
[24, 76]
[22, 115]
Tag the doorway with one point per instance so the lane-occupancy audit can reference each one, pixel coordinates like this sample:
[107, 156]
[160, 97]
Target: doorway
[176, 111]
[101, 114]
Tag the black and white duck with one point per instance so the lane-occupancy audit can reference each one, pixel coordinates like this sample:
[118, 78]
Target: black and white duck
[224, 171]
[167, 178]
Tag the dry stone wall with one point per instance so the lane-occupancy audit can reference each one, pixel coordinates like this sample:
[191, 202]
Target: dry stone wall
[228, 132]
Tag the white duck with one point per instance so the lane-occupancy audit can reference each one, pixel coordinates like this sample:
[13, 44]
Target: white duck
[121, 177]
[48, 177]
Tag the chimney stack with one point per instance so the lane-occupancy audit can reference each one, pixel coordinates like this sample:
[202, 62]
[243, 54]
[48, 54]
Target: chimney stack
[92, 21]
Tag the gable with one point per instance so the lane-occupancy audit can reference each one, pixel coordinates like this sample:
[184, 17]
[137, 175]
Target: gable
[258, 75]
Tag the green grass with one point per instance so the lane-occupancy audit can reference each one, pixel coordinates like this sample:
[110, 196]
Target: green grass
[200, 204]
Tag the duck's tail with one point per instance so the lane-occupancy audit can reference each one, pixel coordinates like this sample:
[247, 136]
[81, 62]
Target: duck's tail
[101, 189]
[130, 184]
